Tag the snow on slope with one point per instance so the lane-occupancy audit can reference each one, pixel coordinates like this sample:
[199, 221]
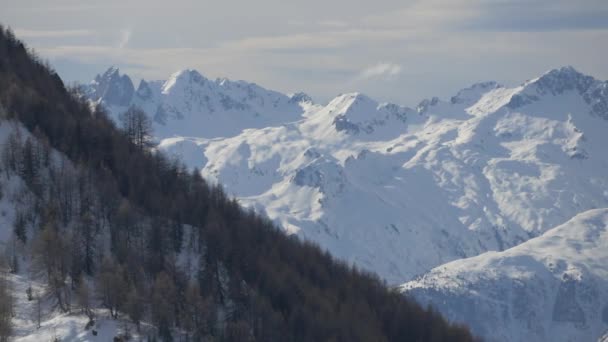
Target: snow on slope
[396, 190]
[188, 104]
[59, 326]
[551, 288]
[54, 324]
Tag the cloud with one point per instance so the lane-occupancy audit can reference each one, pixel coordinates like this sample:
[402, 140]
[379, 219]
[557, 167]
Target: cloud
[336, 24]
[315, 40]
[542, 15]
[31, 34]
[380, 70]
[438, 45]
[125, 36]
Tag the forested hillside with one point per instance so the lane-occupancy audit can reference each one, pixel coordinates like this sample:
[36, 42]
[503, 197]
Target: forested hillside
[106, 221]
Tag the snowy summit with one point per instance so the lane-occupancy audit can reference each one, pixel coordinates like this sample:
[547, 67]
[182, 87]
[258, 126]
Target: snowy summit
[395, 190]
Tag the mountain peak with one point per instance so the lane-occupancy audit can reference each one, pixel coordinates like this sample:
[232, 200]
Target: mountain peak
[143, 90]
[356, 113]
[352, 103]
[300, 97]
[112, 88]
[183, 78]
[110, 73]
[474, 92]
[354, 96]
[557, 81]
[424, 105]
[112, 70]
[564, 70]
[189, 74]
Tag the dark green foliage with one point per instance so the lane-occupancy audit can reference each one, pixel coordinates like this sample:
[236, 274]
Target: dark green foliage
[255, 283]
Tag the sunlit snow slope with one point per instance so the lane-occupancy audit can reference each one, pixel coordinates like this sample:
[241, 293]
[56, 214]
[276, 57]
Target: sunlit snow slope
[551, 288]
[395, 190]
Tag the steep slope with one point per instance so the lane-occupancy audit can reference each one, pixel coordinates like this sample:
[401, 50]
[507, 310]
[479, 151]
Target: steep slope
[57, 326]
[551, 288]
[16, 200]
[162, 245]
[398, 191]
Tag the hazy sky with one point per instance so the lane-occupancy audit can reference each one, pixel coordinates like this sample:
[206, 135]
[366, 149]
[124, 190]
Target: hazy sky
[400, 51]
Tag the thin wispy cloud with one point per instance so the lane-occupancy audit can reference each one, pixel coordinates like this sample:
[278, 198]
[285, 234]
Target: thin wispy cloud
[336, 24]
[30, 34]
[542, 15]
[348, 46]
[380, 71]
[125, 36]
[326, 39]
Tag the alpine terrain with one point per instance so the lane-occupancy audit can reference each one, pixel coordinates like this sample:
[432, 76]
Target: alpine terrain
[103, 238]
[512, 171]
[550, 288]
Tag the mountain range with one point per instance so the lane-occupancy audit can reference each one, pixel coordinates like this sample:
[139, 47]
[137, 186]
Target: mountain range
[497, 190]
[103, 238]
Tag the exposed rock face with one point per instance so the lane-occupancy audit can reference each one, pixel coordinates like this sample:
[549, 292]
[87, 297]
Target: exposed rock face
[189, 104]
[113, 88]
[557, 82]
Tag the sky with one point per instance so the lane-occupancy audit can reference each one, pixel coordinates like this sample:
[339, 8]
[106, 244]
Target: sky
[399, 51]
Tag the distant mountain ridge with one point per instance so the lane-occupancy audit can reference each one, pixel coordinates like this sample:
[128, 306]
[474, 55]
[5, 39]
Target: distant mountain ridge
[396, 190]
[105, 239]
[230, 106]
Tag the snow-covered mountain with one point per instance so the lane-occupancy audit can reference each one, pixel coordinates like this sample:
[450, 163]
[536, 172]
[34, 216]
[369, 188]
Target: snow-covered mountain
[551, 288]
[395, 190]
[188, 104]
[400, 191]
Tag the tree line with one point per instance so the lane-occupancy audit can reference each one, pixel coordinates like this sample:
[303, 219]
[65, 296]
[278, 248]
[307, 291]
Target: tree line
[159, 244]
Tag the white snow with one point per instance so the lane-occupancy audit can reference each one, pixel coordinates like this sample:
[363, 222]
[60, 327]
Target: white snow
[399, 191]
[188, 104]
[54, 324]
[551, 288]
[395, 190]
